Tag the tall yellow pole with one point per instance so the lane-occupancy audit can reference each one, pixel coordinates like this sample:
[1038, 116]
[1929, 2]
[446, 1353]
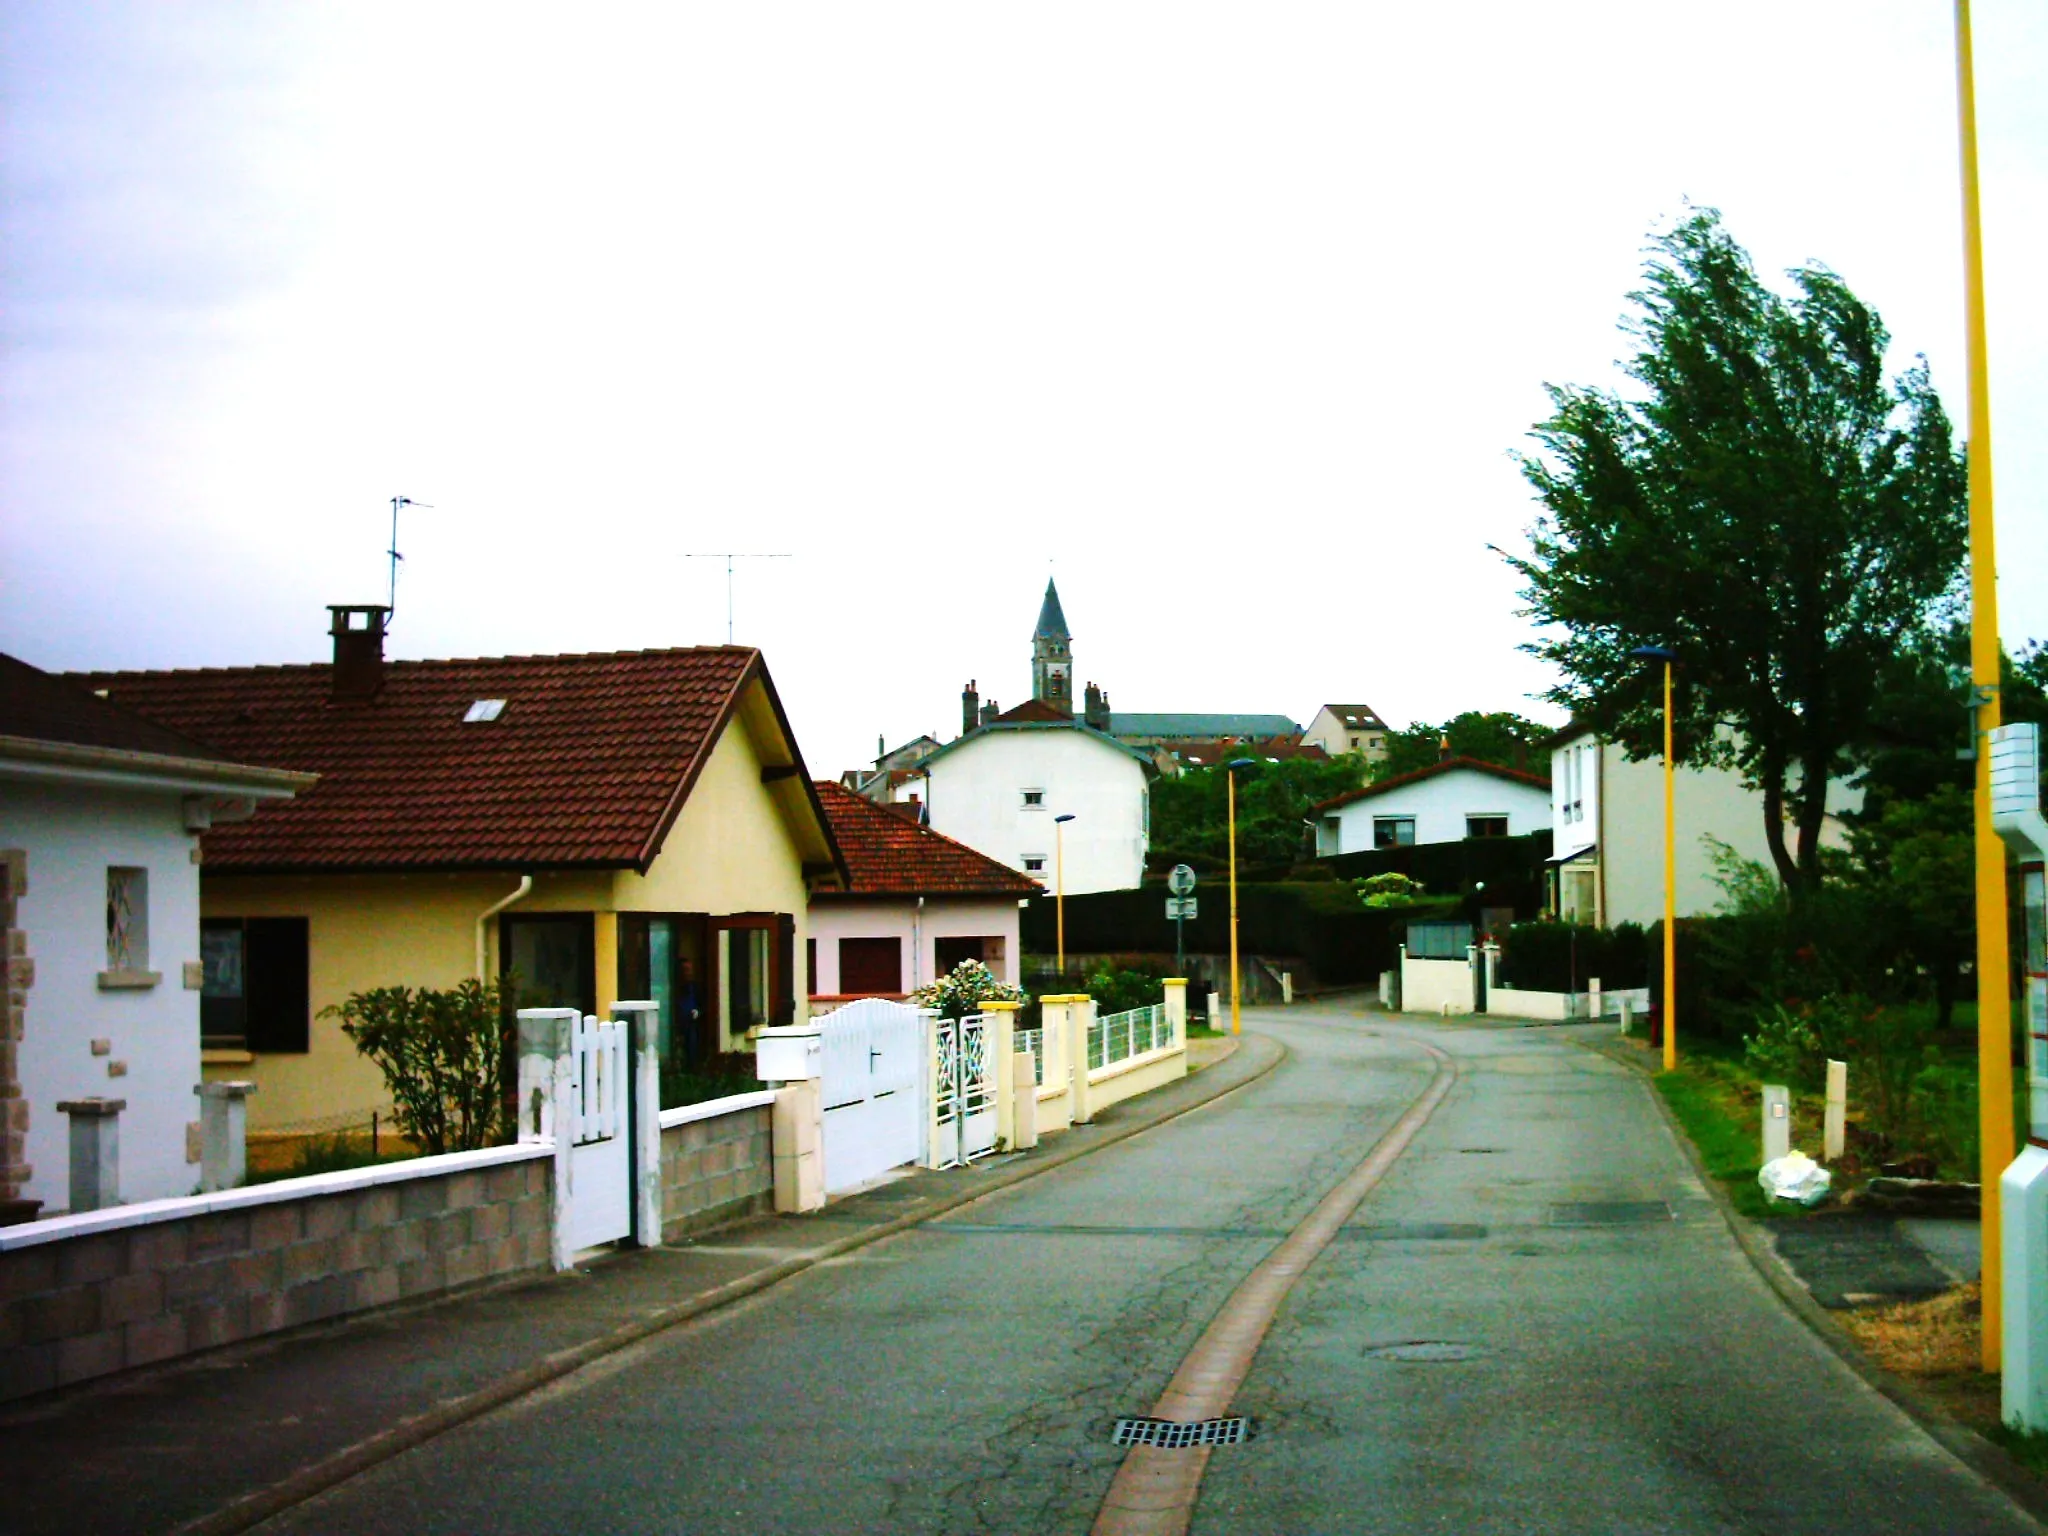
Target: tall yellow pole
[1670, 889]
[1994, 1004]
[1059, 898]
[1230, 783]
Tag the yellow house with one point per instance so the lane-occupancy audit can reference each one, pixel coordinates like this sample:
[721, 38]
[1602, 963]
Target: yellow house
[635, 824]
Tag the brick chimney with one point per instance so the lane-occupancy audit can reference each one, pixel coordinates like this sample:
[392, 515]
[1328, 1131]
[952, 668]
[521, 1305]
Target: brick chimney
[358, 632]
[1095, 708]
[970, 707]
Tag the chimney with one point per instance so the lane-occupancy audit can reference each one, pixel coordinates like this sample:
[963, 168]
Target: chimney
[1095, 710]
[989, 711]
[358, 632]
[1443, 747]
[970, 707]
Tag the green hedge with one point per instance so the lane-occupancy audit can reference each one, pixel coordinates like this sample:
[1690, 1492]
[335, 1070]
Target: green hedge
[1511, 868]
[1562, 957]
[1321, 921]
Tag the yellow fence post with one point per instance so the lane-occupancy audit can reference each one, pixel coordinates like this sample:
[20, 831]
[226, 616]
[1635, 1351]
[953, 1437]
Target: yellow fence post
[1002, 1039]
[1177, 1008]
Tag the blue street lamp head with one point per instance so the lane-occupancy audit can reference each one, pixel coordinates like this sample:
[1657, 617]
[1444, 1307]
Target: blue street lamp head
[1069, 816]
[1654, 653]
[1243, 762]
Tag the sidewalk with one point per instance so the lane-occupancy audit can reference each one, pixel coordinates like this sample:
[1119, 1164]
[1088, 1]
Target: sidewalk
[217, 1442]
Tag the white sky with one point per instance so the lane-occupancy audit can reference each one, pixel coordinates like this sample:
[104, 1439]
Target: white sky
[1228, 315]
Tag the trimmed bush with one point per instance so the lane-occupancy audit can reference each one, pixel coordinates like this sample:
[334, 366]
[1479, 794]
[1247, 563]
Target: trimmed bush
[1564, 957]
[1321, 921]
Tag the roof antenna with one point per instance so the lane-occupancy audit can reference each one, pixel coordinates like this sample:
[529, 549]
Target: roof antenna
[391, 606]
[728, 558]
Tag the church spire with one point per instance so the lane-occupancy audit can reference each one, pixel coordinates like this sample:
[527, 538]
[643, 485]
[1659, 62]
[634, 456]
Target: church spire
[1052, 655]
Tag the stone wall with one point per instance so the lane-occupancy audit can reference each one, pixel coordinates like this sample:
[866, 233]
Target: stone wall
[716, 1169]
[19, 973]
[151, 1288]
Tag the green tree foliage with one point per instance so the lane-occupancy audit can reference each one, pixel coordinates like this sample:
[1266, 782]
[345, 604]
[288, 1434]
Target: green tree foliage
[1914, 860]
[1500, 737]
[1273, 799]
[1765, 503]
[441, 1054]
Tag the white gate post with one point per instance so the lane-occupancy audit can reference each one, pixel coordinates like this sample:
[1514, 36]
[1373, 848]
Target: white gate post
[1002, 1036]
[1177, 1010]
[928, 1087]
[545, 1039]
[643, 1116]
[1080, 1019]
[223, 1135]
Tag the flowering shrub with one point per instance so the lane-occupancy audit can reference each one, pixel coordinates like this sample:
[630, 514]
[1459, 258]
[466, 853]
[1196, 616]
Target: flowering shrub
[1389, 890]
[962, 992]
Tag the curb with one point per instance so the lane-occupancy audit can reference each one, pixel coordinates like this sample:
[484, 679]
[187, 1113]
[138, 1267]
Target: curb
[254, 1508]
[1988, 1461]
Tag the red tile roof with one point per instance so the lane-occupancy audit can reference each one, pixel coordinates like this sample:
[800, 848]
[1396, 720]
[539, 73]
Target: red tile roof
[1035, 710]
[587, 765]
[1512, 775]
[1206, 754]
[889, 855]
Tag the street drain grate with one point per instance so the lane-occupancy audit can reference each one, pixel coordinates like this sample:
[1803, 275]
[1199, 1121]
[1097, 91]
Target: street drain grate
[1609, 1213]
[1426, 1352]
[1166, 1435]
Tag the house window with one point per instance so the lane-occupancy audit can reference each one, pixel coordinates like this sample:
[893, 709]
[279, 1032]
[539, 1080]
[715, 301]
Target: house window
[1034, 863]
[950, 954]
[253, 992]
[552, 960]
[1486, 826]
[127, 919]
[1034, 799]
[1393, 831]
[870, 966]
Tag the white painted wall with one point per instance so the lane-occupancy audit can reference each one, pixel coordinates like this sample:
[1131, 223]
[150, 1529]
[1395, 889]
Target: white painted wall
[1439, 804]
[1574, 795]
[833, 919]
[72, 833]
[1435, 986]
[975, 793]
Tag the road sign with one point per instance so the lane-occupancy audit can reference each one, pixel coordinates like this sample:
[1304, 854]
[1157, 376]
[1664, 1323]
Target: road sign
[1181, 881]
[1180, 907]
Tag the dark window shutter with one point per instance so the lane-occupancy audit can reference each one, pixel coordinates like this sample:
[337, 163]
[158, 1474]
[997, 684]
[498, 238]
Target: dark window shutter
[870, 966]
[785, 969]
[279, 998]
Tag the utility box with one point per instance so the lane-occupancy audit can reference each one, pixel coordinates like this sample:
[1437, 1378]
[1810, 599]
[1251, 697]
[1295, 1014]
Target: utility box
[789, 1053]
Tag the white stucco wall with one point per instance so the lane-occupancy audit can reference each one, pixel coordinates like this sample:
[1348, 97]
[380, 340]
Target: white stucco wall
[72, 834]
[976, 794]
[1440, 804]
[1574, 795]
[943, 917]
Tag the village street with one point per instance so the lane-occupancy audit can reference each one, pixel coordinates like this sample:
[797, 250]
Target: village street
[1510, 1334]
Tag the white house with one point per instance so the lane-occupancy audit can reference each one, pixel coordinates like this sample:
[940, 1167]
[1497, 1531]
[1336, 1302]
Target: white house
[1607, 830]
[1446, 802]
[1341, 728]
[100, 816]
[1001, 787]
[915, 905]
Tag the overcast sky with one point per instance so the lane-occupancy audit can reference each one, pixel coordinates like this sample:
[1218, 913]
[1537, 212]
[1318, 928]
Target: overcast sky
[1230, 316]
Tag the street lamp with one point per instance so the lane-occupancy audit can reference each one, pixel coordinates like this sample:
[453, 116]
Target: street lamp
[1667, 657]
[1230, 781]
[1059, 880]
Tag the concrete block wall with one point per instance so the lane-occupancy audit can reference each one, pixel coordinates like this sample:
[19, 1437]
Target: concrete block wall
[87, 1305]
[715, 1170]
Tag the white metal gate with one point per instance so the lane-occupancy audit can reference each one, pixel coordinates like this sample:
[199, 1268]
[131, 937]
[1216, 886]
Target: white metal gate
[964, 1083]
[598, 1120]
[869, 1080]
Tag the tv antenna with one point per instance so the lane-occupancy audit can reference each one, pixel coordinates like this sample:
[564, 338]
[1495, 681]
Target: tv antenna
[728, 558]
[397, 502]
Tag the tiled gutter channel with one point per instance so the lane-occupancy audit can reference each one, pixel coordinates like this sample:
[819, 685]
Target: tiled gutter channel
[1988, 1461]
[1261, 1055]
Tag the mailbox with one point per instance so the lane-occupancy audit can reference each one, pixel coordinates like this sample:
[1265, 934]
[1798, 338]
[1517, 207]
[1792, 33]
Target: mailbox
[791, 1053]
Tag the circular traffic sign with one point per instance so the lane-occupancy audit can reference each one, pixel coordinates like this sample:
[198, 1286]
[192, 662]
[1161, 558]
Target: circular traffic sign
[1181, 881]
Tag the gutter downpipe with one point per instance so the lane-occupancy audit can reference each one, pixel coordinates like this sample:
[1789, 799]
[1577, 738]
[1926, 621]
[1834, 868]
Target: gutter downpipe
[484, 917]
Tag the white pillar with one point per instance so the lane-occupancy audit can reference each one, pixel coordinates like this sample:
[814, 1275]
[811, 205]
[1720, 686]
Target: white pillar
[1628, 1014]
[95, 1152]
[643, 1115]
[1834, 1133]
[1777, 1121]
[1287, 987]
[1177, 1009]
[1593, 996]
[1002, 1039]
[1216, 1011]
[544, 1075]
[798, 1141]
[223, 1135]
[1080, 1019]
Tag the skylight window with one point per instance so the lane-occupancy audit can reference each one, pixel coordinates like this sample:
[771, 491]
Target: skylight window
[484, 711]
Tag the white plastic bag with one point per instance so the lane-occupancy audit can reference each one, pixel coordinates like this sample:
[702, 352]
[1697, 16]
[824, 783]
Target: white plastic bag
[1796, 1177]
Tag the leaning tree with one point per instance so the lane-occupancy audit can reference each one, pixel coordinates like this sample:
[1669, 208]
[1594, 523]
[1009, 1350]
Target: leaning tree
[1763, 501]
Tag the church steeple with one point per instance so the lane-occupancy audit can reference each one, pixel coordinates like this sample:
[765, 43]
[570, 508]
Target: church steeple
[1052, 654]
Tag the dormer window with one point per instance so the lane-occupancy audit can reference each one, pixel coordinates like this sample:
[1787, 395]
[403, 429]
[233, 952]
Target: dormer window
[484, 711]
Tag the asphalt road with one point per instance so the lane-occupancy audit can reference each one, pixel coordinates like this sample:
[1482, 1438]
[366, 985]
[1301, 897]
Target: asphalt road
[1537, 1322]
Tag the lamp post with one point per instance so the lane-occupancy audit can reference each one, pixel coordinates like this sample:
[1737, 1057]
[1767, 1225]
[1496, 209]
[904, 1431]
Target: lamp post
[1059, 880]
[1995, 1134]
[1667, 657]
[1230, 792]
